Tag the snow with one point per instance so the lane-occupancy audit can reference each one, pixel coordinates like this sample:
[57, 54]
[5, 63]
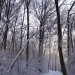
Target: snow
[53, 73]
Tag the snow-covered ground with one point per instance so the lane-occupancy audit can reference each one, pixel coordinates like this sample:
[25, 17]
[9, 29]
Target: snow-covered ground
[53, 73]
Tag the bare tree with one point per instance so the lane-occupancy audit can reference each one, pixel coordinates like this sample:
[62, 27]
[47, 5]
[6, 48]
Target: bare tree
[63, 68]
[70, 37]
[43, 13]
[27, 48]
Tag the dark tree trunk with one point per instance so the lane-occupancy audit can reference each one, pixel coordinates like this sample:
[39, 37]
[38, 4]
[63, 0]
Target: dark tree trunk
[5, 37]
[27, 48]
[63, 68]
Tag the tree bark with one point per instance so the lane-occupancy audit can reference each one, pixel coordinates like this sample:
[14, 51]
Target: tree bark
[5, 37]
[63, 68]
[41, 38]
[27, 48]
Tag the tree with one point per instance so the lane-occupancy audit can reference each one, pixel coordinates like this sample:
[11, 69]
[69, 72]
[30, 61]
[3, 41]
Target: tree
[43, 12]
[27, 48]
[63, 68]
[70, 45]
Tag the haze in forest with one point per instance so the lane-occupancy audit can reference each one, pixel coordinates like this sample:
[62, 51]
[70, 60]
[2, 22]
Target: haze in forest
[37, 37]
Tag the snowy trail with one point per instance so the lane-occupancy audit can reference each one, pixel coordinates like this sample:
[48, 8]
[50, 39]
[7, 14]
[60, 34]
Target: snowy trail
[53, 73]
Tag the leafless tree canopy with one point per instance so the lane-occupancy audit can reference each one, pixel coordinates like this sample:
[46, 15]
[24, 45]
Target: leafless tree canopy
[37, 36]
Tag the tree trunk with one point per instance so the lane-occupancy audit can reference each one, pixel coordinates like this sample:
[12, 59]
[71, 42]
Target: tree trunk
[41, 38]
[63, 68]
[5, 37]
[27, 48]
[49, 67]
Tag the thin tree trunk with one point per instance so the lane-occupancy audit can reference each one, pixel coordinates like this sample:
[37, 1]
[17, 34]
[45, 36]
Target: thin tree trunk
[49, 49]
[27, 48]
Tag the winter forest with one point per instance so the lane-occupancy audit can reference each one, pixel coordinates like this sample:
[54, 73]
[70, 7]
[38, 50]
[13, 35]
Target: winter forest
[37, 36]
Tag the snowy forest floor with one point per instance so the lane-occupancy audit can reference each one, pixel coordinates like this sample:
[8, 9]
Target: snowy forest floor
[53, 73]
